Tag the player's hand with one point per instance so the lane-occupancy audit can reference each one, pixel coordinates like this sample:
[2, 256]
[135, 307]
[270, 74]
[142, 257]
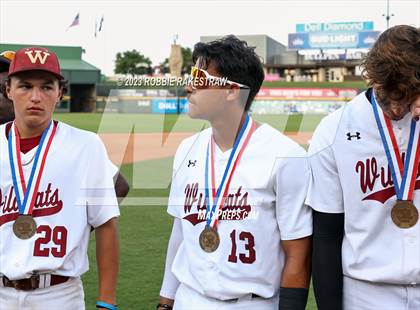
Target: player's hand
[165, 301]
[415, 108]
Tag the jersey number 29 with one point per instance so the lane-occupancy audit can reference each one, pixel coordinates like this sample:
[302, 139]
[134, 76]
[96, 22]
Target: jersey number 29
[59, 237]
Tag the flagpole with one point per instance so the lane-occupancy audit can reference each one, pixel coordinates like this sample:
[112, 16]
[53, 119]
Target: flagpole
[102, 38]
[103, 45]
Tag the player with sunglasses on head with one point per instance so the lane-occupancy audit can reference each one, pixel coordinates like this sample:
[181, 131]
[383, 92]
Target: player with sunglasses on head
[55, 185]
[241, 233]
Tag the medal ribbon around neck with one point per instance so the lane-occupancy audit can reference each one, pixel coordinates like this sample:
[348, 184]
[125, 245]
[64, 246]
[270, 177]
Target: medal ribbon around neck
[26, 194]
[403, 175]
[216, 200]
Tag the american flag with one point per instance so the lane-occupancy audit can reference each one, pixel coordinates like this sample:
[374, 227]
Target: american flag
[75, 21]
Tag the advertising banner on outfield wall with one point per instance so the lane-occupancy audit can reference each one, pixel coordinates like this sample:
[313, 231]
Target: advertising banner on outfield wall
[169, 105]
[337, 94]
[136, 106]
[126, 104]
[286, 107]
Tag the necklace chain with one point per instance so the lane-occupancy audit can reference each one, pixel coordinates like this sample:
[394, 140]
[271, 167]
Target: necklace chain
[27, 163]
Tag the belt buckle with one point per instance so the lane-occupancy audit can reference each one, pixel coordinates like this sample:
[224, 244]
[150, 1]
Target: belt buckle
[16, 285]
[28, 284]
[34, 280]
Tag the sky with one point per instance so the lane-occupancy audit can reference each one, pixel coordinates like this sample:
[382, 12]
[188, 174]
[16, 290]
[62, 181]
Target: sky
[150, 26]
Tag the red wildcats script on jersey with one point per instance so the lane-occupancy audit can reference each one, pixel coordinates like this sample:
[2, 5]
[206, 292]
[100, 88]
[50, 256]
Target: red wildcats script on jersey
[46, 203]
[370, 173]
[236, 205]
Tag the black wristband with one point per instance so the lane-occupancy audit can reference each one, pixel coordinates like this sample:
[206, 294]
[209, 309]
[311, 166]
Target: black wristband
[164, 306]
[293, 298]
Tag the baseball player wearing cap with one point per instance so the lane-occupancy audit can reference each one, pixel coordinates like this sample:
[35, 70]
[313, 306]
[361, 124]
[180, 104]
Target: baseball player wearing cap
[7, 115]
[241, 230]
[364, 188]
[55, 184]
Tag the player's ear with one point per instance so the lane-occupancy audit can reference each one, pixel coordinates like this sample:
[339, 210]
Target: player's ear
[62, 88]
[60, 93]
[233, 92]
[7, 90]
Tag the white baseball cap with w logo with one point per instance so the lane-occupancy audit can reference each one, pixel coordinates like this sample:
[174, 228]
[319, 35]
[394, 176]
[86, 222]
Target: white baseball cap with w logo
[35, 58]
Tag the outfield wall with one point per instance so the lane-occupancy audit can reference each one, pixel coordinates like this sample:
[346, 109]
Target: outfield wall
[268, 101]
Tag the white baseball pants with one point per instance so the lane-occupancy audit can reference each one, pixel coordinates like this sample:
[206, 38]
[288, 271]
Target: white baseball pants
[65, 296]
[363, 295]
[187, 298]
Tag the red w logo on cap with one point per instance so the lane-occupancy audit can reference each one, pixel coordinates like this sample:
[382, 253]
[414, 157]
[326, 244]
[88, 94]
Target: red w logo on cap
[37, 56]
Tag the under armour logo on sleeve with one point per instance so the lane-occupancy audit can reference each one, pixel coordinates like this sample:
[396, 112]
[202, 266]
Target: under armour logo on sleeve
[192, 163]
[356, 135]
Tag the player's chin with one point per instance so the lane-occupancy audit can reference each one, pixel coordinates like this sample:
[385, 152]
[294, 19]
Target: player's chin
[34, 120]
[193, 112]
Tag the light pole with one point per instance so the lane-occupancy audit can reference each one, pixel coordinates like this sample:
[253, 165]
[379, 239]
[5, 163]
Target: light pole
[387, 16]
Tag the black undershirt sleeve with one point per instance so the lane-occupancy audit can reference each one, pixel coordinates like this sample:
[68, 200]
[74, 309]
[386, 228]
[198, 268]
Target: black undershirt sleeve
[327, 272]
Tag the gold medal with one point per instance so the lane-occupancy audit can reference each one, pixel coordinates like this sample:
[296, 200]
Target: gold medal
[24, 227]
[404, 214]
[209, 240]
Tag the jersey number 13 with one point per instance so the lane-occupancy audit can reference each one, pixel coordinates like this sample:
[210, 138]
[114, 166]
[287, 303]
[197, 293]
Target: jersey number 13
[246, 258]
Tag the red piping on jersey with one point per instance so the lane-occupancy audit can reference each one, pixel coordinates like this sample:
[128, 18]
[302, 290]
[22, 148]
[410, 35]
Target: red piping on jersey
[25, 144]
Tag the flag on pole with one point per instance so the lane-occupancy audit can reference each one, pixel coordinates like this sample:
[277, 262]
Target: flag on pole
[98, 29]
[101, 23]
[75, 22]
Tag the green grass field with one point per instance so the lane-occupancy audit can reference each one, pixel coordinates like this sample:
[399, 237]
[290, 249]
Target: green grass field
[144, 230]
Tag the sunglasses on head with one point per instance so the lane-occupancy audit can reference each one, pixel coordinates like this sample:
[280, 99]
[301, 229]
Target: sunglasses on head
[9, 55]
[200, 79]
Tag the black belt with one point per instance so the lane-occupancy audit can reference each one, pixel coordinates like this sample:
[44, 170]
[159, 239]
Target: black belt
[236, 299]
[32, 283]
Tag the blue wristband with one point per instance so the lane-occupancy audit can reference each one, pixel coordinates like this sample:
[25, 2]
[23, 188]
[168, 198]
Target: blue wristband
[105, 305]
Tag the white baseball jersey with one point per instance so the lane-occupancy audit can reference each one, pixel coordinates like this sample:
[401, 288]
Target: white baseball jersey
[263, 207]
[350, 174]
[76, 193]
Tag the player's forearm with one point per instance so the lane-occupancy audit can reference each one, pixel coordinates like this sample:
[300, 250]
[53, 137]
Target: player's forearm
[296, 274]
[107, 256]
[297, 267]
[170, 282]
